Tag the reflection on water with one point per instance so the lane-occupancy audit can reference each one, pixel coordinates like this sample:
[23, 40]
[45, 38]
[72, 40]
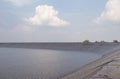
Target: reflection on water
[40, 64]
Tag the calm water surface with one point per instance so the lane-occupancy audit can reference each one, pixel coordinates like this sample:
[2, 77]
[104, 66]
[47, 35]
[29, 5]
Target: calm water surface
[18, 63]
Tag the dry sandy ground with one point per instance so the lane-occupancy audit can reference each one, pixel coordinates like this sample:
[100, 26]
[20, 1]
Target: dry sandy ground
[110, 70]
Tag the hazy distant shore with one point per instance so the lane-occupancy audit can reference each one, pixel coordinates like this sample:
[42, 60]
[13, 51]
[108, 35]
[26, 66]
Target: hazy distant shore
[77, 46]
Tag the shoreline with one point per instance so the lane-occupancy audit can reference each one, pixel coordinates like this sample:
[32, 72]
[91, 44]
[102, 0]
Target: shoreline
[83, 47]
[89, 70]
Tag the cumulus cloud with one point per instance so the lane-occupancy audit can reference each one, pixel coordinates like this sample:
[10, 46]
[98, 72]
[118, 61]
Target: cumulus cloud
[19, 2]
[111, 12]
[46, 15]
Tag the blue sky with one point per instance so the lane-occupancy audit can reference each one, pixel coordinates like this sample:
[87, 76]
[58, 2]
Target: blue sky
[59, 20]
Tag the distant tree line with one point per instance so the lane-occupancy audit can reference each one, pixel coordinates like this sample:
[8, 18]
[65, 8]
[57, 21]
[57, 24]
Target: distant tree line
[115, 41]
[88, 42]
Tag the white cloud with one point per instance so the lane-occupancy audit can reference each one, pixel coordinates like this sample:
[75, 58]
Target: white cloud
[19, 2]
[111, 12]
[46, 15]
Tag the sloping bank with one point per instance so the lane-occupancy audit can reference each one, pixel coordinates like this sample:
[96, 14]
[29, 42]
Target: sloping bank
[92, 70]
